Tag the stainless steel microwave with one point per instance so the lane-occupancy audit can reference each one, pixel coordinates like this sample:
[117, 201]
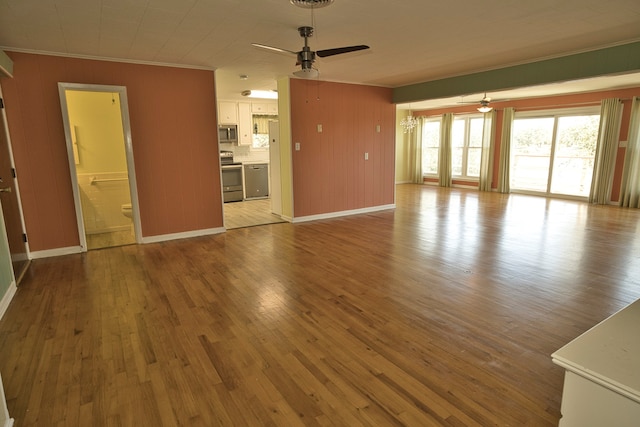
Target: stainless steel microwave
[228, 133]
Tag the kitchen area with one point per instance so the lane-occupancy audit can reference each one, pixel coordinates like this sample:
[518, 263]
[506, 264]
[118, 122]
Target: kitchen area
[243, 136]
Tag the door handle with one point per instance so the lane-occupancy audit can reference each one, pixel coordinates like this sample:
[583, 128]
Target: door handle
[5, 190]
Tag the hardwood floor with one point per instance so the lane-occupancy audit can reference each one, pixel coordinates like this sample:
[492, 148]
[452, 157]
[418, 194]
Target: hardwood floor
[442, 312]
[249, 213]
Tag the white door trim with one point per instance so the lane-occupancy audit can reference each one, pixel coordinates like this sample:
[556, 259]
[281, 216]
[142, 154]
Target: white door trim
[126, 127]
[16, 180]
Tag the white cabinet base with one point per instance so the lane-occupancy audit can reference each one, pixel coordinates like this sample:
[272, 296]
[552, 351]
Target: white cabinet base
[602, 373]
[588, 404]
[5, 421]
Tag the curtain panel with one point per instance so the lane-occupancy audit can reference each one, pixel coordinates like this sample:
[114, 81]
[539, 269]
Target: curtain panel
[605, 157]
[486, 156]
[444, 153]
[504, 178]
[415, 153]
[630, 186]
[261, 123]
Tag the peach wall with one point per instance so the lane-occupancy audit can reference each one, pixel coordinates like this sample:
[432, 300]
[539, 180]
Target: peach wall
[173, 116]
[330, 173]
[554, 102]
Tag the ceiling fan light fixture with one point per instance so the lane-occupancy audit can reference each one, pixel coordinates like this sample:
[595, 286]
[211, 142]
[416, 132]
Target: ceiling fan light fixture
[306, 73]
[485, 109]
[311, 4]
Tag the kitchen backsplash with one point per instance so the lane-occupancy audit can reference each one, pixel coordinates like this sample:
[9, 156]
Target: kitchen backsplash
[244, 153]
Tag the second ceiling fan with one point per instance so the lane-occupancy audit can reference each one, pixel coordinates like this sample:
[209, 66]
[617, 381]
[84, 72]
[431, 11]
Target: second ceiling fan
[484, 104]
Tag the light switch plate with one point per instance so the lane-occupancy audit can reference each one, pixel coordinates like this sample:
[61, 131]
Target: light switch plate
[297, 146]
[319, 128]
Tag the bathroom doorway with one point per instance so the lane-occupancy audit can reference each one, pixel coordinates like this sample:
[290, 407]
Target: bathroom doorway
[98, 136]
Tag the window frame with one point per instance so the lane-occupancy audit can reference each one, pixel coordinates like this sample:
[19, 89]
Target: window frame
[465, 148]
[432, 119]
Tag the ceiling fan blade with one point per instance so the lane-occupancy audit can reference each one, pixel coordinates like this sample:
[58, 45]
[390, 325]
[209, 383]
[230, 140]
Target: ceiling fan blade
[339, 50]
[275, 49]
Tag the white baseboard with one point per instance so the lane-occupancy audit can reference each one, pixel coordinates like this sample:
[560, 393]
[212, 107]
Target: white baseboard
[184, 235]
[151, 239]
[344, 213]
[286, 218]
[56, 252]
[6, 299]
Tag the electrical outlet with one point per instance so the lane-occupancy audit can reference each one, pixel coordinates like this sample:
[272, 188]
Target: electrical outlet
[319, 128]
[366, 156]
[378, 128]
[297, 146]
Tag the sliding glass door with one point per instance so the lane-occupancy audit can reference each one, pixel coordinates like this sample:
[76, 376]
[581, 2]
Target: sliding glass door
[553, 153]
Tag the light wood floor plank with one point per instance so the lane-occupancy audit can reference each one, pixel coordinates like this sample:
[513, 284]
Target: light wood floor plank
[442, 312]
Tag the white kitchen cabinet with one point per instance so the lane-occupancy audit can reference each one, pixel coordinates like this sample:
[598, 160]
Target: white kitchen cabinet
[602, 373]
[227, 113]
[245, 123]
[270, 108]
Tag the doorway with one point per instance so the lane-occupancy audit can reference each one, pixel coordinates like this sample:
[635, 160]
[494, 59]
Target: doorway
[99, 148]
[11, 206]
[252, 170]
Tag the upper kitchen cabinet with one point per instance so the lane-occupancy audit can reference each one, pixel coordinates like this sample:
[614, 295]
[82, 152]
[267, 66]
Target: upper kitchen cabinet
[227, 113]
[270, 108]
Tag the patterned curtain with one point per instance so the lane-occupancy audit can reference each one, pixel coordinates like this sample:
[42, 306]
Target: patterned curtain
[261, 123]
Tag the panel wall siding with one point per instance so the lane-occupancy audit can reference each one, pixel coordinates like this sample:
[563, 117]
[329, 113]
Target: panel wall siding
[173, 125]
[336, 125]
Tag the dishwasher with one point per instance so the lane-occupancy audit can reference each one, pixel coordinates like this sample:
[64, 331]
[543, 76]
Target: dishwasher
[256, 181]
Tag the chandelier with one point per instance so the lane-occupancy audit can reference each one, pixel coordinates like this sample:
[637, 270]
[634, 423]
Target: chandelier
[408, 123]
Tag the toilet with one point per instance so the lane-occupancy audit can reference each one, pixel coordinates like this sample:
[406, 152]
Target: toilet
[126, 210]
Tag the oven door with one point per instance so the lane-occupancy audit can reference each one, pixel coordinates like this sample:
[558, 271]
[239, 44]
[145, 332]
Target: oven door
[232, 183]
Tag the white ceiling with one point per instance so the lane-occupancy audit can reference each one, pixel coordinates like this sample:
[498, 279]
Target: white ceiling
[411, 41]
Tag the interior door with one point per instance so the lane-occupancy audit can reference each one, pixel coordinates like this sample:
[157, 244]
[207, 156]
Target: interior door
[11, 208]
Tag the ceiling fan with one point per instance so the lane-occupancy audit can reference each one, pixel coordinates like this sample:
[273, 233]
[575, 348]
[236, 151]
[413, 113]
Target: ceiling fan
[484, 104]
[306, 57]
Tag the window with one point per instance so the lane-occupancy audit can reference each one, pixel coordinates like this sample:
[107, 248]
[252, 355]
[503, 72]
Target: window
[554, 153]
[260, 137]
[466, 144]
[430, 146]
